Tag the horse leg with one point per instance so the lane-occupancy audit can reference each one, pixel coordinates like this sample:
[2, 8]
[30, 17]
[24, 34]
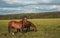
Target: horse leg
[21, 29]
[28, 28]
[18, 30]
[12, 31]
[9, 29]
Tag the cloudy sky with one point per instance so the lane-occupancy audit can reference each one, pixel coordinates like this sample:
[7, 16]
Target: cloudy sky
[28, 6]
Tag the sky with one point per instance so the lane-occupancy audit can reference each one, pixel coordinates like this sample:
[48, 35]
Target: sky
[28, 6]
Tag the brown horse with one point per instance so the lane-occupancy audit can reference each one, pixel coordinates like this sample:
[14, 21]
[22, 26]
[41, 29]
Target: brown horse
[15, 25]
[21, 25]
[27, 24]
[24, 20]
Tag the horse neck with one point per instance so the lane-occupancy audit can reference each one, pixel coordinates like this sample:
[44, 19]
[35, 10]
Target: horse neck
[25, 20]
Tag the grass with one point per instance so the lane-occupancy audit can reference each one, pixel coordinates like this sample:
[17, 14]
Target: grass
[47, 28]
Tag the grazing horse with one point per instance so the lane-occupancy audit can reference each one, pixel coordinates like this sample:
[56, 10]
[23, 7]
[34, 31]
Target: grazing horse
[24, 20]
[21, 25]
[27, 24]
[15, 25]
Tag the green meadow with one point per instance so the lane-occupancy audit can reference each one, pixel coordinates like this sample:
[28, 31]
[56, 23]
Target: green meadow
[47, 28]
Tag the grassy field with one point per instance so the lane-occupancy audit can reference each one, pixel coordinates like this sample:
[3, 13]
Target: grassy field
[47, 28]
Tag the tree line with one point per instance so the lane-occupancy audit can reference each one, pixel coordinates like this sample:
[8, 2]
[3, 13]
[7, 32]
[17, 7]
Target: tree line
[31, 15]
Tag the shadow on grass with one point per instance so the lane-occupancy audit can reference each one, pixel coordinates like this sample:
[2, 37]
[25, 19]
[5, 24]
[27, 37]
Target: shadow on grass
[25, 31]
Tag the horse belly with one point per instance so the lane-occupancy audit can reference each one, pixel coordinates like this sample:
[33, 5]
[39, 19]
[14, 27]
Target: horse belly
[15, 25]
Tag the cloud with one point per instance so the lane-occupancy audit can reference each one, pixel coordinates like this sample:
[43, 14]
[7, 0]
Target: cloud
[18, 1]
[10, 8]
[26, 1]
[30, 9]
[28, 6]
[12, 1]
[56, 1]
[46, 1]
[33, 7]
[58, 7]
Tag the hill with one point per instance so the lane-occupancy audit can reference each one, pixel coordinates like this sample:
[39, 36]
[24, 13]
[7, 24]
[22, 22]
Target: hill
[31, 15]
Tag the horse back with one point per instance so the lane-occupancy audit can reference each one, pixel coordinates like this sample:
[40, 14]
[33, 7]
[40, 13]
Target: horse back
[15, 24]
[31, 24]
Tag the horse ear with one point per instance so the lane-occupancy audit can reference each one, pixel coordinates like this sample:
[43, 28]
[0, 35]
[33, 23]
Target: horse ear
[25, 16]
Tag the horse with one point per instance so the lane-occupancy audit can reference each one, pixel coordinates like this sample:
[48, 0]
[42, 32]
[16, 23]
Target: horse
[21, 25]
[27, 24]
[15, 25]
[24, 20]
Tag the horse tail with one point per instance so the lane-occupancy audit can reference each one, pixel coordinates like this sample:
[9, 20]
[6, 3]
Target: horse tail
[9, 27]
[22, 24]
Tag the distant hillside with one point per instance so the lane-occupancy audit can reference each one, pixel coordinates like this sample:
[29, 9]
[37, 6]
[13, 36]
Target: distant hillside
[31, 15]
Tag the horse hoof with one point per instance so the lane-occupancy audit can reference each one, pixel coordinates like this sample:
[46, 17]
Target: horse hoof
[12, 33]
